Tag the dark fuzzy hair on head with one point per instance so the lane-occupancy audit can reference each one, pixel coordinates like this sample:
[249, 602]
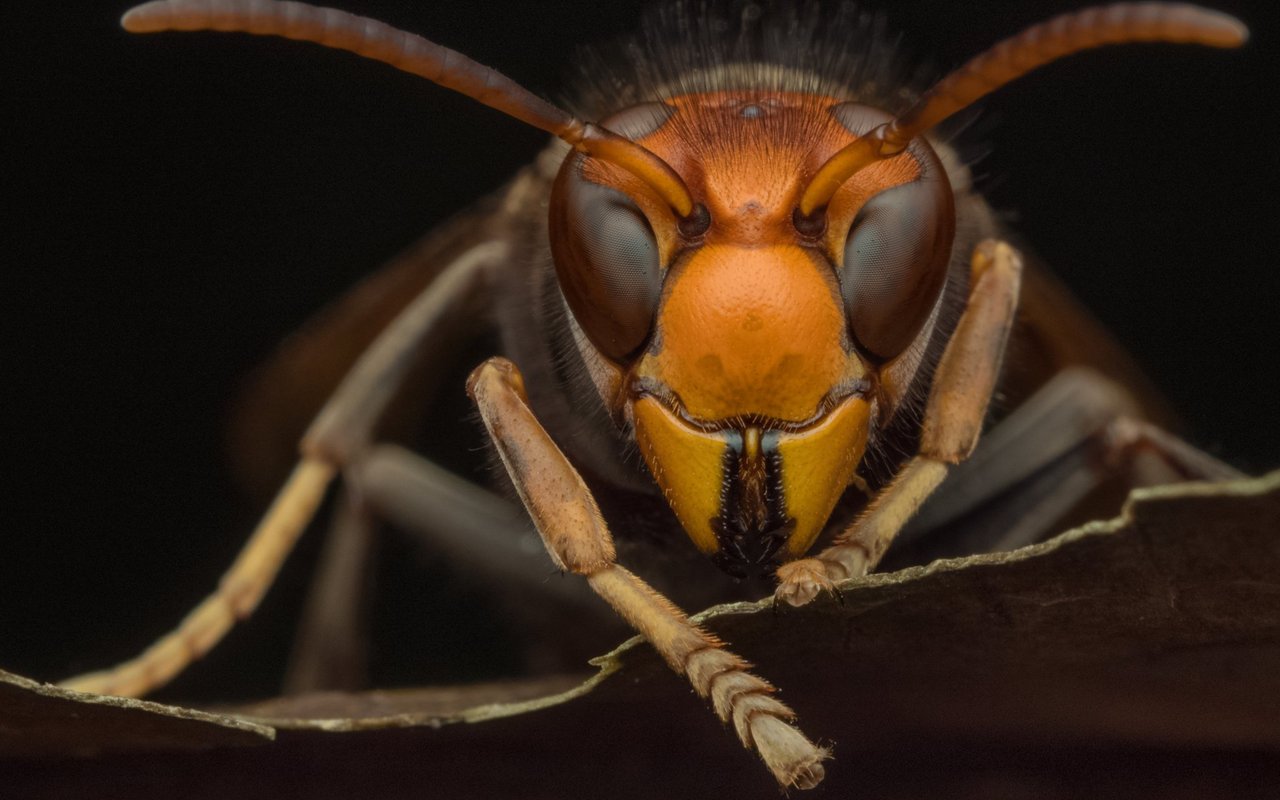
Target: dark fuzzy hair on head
[690, 46]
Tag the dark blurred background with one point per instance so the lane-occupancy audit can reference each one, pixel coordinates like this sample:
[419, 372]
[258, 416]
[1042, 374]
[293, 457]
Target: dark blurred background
[177, 204]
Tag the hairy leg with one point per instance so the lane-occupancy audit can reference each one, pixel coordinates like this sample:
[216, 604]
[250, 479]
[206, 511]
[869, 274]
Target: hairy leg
[575, 535]
[339, 433]
[962, 388]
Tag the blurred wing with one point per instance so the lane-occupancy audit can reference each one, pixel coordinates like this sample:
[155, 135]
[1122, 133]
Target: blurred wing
[1053, 332]
[282, 395]
[1040, 467]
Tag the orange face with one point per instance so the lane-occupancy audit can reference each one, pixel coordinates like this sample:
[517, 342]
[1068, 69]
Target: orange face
[732, 352]
[751, 332]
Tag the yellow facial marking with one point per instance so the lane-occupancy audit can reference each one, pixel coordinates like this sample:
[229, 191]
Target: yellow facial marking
[688, 465]
[818, 464]
[814, 467]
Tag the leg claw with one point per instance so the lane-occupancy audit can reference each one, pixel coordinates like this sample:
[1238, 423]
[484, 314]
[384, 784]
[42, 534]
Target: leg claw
[799, 582]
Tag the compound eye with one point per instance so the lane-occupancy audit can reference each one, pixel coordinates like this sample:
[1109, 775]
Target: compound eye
[606, 257]
[605, 251]
[898, 248]
[895, 263]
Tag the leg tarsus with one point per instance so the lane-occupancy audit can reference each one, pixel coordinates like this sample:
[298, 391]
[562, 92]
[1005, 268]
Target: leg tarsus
[715, 674]
[858, 549]
[576, 537]
[802, 580]
[341, 430]
[238, 593]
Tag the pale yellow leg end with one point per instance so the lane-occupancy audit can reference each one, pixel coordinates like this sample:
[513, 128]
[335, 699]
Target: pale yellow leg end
[237, 594]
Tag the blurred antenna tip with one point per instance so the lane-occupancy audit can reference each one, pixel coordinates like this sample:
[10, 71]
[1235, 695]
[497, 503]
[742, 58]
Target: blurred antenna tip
[140, 19]
[1242, 31]
[1234, 32]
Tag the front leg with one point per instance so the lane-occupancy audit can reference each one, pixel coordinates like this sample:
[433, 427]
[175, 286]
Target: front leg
[962, 388]
[575, 535]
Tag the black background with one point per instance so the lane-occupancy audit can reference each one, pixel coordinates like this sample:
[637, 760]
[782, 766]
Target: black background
[175, 205]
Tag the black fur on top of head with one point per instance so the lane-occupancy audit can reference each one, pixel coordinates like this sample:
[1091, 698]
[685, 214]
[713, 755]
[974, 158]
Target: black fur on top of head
[688, 46]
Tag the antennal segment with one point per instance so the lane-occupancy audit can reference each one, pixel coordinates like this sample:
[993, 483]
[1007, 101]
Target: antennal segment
[413, 54]
[1011, 59]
